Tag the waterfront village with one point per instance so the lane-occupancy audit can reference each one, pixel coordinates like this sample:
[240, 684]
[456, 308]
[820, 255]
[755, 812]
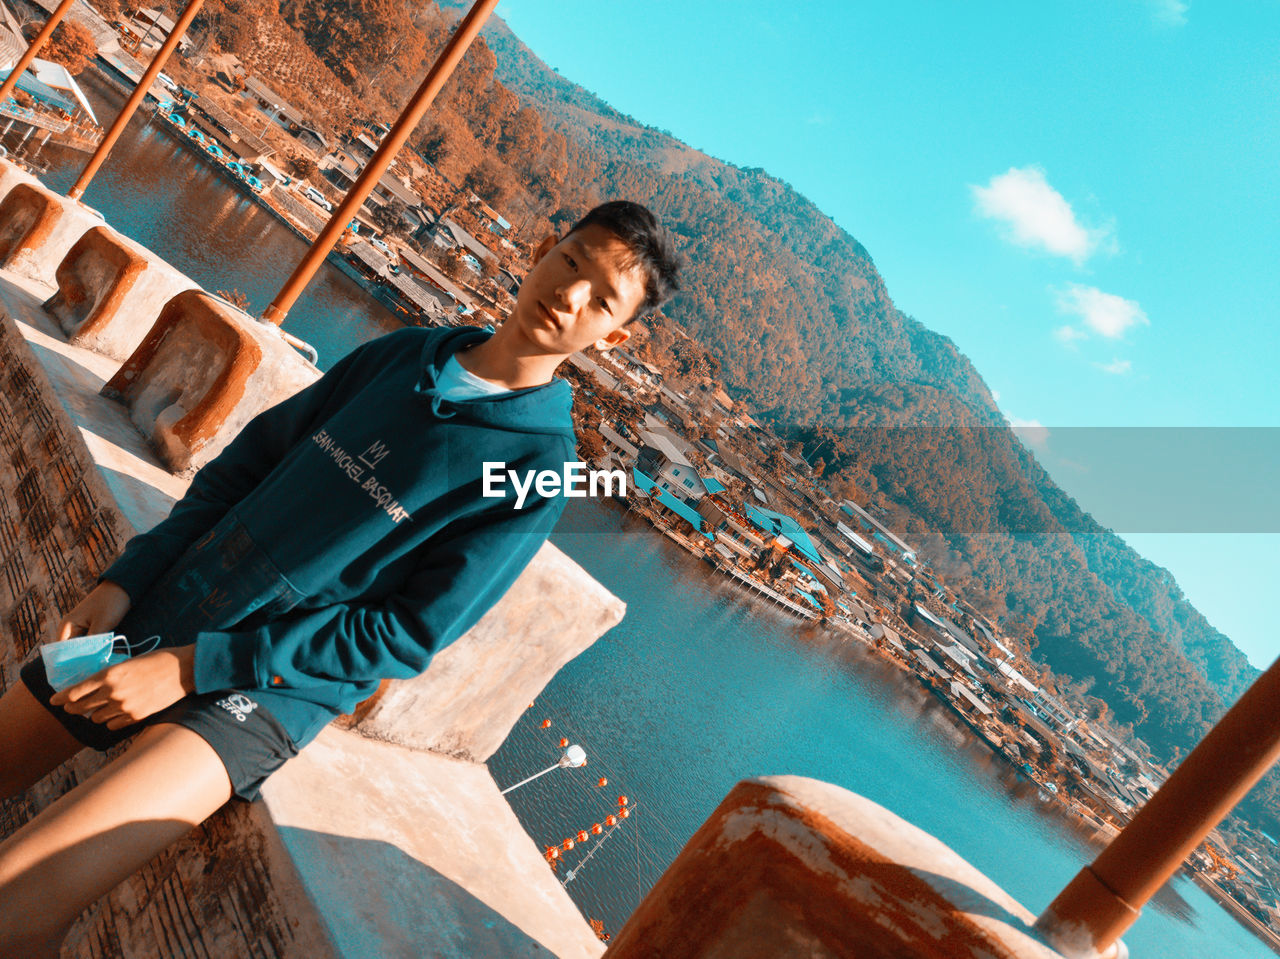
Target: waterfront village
[698, 466]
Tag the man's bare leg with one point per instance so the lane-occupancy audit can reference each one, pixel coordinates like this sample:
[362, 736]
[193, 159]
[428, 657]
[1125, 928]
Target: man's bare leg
[32, 742]
[88, 841]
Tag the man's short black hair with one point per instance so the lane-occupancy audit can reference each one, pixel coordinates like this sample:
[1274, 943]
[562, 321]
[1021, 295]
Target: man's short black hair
[651, 247]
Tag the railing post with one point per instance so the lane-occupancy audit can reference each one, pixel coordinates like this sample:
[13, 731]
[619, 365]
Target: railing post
[11, 81]
[1104, 899]
[131, 105]
[449, 58]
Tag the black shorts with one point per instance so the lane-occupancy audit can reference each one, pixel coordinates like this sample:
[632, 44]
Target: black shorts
[250, 741]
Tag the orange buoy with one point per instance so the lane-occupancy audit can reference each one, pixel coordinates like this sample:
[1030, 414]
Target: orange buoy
[622, 800]
[564, 743]
[531, 705]
[624, 812]
[611, 820]
[546, 724]
[582, 835]
[553, 852]
[597, 829]
[602, 782]
[567, 845]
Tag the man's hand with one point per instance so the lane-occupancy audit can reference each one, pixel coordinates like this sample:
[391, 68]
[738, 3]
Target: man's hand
[128, 692]
[99, 612]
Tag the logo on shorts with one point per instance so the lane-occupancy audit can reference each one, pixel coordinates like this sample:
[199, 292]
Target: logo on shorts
[238, 705]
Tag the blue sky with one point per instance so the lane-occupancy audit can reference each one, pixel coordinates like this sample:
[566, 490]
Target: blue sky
[1083, 196]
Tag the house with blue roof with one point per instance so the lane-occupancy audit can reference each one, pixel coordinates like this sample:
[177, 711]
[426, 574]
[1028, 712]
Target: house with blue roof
[784, 530]
[649, 486]
[663, 459]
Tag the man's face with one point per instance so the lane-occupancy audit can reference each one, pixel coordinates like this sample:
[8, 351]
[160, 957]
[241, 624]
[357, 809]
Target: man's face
[578, 293]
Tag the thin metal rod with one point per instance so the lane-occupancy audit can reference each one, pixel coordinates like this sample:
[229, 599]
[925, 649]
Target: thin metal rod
[135, 99]
[449, 58]
[1105, 898]
[11, 81]
[530, 779]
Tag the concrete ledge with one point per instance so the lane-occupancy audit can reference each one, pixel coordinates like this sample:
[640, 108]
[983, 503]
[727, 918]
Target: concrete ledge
[110, 292]
[466, 703]
[37, 228]
[787, 866]
[432, 863]
[201, 373]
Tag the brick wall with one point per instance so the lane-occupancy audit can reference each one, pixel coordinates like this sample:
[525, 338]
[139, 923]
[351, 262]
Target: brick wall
[58, 526]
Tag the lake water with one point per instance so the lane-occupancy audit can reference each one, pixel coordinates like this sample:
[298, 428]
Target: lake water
[699, 686]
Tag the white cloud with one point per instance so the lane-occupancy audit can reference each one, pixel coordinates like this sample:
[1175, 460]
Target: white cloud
[1036, 215]
[1068, 335]
[1172, 13]
[1116, 367]
[1105, 313]
[1032, 432]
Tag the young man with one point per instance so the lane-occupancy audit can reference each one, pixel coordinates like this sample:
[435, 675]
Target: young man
[341, 538]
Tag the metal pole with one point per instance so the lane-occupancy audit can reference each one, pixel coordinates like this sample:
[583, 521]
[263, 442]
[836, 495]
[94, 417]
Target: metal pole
[135, 99]
[1105, 898]
[530, 779]
[465, 32]
[11, 81]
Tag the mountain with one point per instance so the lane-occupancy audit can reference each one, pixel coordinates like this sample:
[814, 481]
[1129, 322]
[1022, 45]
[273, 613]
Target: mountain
[798, 318]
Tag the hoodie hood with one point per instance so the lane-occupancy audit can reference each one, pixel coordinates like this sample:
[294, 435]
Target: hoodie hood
[546, 408]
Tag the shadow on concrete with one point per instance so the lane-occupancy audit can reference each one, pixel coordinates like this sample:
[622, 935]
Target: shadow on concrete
[967, 899]
[379, 901]
[143, 504]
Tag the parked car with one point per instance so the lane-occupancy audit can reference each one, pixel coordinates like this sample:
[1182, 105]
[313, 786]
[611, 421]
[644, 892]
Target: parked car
[379, 244]
[316, 197]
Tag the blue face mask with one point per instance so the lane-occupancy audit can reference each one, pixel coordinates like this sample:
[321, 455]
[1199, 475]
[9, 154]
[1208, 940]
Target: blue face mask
[75, 659]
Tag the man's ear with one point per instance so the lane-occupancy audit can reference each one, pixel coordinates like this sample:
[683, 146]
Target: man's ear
[615, 338]
[543, 248]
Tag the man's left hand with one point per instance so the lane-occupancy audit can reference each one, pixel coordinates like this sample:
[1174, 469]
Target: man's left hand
[131, 691]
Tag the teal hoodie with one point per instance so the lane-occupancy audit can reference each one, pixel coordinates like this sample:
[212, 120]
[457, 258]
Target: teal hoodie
[371, 543]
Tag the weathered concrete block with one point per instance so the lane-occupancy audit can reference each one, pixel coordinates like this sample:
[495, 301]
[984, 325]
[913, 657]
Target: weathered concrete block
[410, 854]
[473, 693]
[37, 228]
[201, 373]
[110, 291]
[788, 866]
[11, 175]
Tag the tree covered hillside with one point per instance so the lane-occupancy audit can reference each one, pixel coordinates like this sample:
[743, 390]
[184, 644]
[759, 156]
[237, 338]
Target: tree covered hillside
[792, 308]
